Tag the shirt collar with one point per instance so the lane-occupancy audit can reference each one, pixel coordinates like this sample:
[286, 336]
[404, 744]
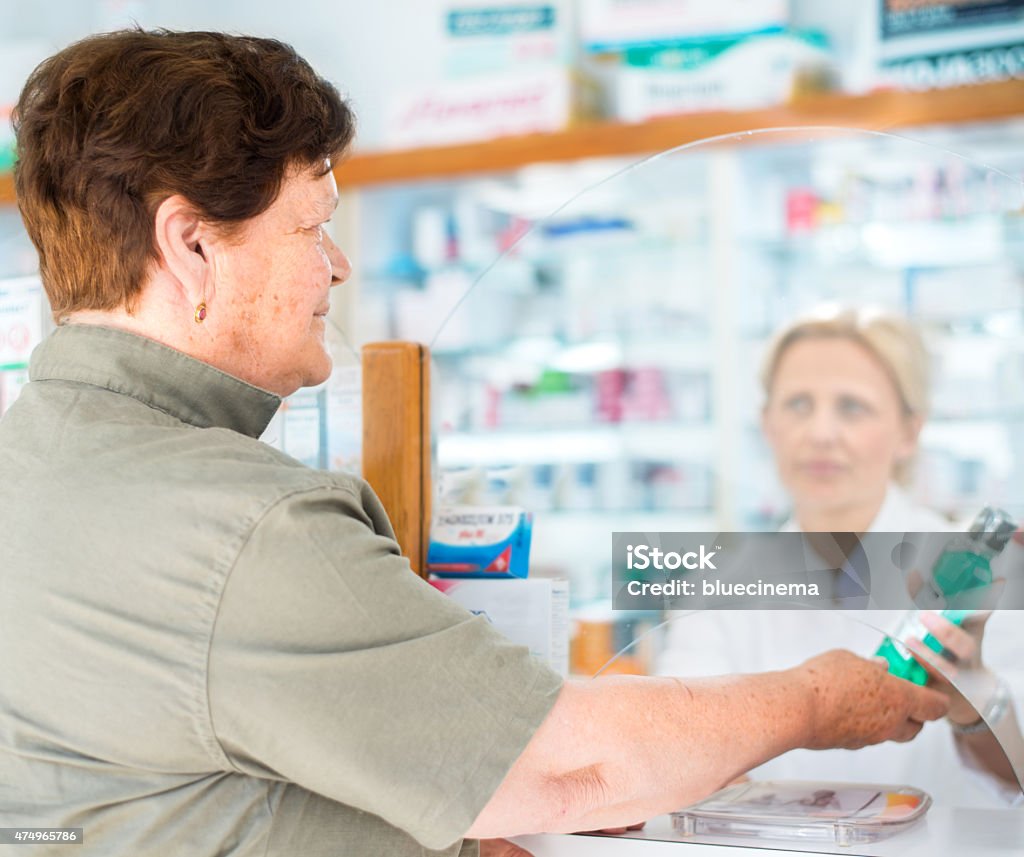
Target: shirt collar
[895, 513]
[154, 374]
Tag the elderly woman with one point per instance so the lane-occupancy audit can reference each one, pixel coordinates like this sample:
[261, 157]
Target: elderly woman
[846, 395]
[211, 649]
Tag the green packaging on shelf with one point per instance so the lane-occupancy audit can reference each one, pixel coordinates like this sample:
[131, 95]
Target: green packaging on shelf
[740, 71]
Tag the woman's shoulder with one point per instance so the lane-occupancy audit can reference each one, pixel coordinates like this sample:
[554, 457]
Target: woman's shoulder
[225, 462]
[901, 513]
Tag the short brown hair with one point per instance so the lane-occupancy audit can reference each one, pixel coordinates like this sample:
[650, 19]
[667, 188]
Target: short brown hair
[114, 124]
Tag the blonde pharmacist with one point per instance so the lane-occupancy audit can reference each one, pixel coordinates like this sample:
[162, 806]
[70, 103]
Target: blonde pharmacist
[846, 395]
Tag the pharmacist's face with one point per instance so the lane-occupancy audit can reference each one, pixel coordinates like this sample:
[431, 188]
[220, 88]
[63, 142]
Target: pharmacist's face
[836, 424]
[273, 287]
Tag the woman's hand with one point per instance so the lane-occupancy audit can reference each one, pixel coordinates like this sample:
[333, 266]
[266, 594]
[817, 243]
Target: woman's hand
[853, 702]
[960, 656]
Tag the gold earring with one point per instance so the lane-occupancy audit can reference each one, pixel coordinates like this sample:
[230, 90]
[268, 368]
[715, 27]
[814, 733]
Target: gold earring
[200, 313]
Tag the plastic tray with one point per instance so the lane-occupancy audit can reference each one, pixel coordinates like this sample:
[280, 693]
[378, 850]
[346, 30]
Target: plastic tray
[797, 810]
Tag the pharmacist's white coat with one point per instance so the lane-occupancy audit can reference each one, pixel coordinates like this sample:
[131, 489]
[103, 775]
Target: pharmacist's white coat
[716, 642]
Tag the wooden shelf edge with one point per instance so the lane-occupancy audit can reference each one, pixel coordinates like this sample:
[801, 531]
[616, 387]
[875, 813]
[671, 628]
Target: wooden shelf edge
[879, 111]
[875, 112]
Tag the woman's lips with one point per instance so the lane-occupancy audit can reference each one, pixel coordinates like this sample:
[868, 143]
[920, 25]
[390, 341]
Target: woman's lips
[822, 469]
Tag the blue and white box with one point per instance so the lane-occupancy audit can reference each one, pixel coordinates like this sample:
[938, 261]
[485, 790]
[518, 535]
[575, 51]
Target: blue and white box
[480, 541]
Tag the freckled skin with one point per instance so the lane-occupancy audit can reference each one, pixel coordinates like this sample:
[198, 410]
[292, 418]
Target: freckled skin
[860, 713]
[273, 286]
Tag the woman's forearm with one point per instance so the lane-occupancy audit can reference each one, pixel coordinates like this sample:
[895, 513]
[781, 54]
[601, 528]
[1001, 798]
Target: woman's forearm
[993, 754]
[618, 750]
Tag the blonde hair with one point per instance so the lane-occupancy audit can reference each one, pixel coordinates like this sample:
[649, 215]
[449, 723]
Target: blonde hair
[890, 338]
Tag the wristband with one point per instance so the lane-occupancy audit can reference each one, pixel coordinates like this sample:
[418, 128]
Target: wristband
[995, 709]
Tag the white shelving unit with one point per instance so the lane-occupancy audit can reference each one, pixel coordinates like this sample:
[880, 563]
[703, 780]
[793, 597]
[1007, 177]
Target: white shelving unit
[662, 440]
[697, 260]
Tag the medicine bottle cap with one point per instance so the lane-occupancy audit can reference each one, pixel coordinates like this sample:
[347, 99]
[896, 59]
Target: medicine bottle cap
[997, 540]
[993, 528]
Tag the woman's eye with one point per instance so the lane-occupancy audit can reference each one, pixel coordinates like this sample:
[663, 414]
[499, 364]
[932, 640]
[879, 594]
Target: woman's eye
[316, 231]
[797, 404]
[852, 407]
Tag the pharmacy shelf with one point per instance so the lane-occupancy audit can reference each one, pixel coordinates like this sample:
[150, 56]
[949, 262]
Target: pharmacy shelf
[973, 241]
[647, 441]
[575, 544]
[585, 356]
[877, 111]
[628, 520]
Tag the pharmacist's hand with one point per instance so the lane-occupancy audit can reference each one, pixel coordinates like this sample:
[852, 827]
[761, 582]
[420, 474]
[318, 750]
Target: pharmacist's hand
[854, 702]
[960, 658]
[501, 848]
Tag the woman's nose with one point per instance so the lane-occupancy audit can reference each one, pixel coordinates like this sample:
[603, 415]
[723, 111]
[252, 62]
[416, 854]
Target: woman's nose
[823, 425]
[341, 267]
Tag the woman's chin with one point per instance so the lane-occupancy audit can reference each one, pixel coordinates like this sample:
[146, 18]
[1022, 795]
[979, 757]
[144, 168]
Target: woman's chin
[822, 494]
[316, 364]
[320, 373]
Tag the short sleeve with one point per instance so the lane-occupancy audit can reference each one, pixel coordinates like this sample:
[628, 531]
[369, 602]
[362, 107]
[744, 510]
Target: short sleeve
[333, 666]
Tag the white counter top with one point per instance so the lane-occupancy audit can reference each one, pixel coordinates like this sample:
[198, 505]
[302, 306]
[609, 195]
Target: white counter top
[945, 831]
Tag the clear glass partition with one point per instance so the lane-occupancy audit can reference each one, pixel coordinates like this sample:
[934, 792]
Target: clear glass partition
[605, 373]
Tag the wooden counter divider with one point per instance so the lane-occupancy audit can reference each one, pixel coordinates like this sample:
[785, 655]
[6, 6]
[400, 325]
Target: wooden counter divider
[396, 440]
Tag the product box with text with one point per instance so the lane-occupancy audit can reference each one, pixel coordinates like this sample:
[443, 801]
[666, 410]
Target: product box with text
[480, 541]
[533, 613]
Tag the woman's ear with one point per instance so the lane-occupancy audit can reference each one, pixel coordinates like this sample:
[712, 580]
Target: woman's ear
[767, 426]
[912, 426]
[179, 237]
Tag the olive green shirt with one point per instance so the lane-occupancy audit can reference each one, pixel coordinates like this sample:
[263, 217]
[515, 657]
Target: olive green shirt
[207, 648]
